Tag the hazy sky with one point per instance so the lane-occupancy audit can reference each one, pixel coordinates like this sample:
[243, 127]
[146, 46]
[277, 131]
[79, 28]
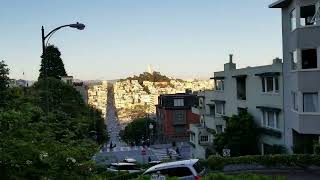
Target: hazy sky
[182, 38]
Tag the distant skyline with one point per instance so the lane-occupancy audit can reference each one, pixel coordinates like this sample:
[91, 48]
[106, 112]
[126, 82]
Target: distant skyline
[181, 38]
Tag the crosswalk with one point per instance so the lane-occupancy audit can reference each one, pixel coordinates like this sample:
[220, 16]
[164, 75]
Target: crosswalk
[162, 154]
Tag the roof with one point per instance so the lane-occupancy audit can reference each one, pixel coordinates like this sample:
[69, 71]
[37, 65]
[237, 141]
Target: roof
[268, 74]
[176, 163]
[217, 77]
[280, 4]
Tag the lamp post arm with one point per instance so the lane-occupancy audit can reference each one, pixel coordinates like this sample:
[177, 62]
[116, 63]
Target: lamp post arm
[51, 32]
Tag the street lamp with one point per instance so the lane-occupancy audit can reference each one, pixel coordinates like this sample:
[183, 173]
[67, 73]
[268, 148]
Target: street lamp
[78, 26]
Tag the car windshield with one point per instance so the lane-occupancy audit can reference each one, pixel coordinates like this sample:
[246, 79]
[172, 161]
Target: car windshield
[198, 167]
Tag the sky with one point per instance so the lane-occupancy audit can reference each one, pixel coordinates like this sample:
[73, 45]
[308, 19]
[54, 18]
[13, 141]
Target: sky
[180, 38]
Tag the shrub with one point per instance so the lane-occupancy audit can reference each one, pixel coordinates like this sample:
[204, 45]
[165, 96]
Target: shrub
[297, 160]
[220, 176]
[317, 149]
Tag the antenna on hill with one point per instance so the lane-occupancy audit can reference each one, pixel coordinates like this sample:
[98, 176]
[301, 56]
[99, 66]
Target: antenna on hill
[150, 69]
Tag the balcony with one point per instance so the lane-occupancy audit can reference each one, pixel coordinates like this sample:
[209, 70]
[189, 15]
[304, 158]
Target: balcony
[309, 123]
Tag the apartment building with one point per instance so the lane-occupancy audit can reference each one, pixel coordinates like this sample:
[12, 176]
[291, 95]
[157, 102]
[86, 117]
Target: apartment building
[301, 72]
[257, 90]
[174, 116]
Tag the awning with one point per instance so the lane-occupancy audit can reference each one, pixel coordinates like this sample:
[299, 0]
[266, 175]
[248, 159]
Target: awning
[268, 74]
[240, 76]
[266, 108]
[280, 4]
[217, 77]
[218, 101]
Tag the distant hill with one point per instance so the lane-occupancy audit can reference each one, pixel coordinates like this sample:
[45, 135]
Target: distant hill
[152, 77]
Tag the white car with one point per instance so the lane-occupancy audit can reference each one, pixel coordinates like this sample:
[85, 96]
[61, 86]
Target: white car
[129, 167]
[186, 170]
[130, 160]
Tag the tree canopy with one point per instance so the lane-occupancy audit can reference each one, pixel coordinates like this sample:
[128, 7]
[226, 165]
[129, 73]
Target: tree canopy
[4, 82]
[52, 61]
[241, 135]
[154, 77]
[57, 146]
[136, 131]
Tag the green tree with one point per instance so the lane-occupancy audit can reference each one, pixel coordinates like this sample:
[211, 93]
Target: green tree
[52, 62]
[4, 83]
[136, 130]
[240, 136]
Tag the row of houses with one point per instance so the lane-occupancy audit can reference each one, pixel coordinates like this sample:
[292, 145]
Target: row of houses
[282, 97]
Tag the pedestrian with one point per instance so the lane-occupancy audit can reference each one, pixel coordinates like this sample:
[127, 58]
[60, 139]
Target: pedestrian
[149, 159]
[167, 151]
[110, 145]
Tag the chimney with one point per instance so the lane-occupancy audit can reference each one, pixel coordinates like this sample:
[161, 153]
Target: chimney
[230, 58]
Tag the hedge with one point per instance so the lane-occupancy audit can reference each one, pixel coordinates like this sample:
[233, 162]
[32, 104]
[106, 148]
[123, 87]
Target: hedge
[297, 160]
[220, 176]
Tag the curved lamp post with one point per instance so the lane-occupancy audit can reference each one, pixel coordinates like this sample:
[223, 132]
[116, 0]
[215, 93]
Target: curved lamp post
[78, 26]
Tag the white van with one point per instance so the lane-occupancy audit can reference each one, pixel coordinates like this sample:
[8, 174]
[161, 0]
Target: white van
[187, 169]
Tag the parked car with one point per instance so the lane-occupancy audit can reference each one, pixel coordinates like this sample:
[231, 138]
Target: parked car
[154, 162]
[186, 170]
[130, 160]
[130, 167]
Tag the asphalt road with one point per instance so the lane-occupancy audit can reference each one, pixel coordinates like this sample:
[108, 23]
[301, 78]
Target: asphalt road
[113, 124]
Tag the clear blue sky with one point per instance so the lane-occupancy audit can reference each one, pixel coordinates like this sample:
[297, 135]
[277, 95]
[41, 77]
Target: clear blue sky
[182, 38]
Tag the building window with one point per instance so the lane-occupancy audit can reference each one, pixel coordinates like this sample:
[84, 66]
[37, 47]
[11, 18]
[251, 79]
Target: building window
[270, 84]
[270, 119]
[293, 19]
[294, 100]
[178, 102]
[294, 60]
[241, 88]
[212, 110]
[204, 138]
[309, 58]
[220, 108]
[310, 102]
[306, 15]
[179, 117]
[219, 84]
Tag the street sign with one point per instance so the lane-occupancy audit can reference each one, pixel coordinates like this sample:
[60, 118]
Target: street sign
[226, 152]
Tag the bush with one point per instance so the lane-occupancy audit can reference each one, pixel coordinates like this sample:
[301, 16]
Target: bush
[317, 149]
[220, 176]
[298, 160]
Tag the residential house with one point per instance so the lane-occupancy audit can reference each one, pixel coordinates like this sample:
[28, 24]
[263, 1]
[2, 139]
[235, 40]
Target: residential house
[257, 90]
[301, 72]
[174, 116]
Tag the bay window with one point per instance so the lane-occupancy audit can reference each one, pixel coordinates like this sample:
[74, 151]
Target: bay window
[310, 102]
[306, 15]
